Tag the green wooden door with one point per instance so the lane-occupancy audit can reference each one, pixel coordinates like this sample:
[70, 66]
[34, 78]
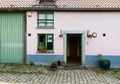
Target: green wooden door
[11, 37]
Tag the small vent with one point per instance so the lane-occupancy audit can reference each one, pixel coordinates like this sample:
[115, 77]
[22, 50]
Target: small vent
[42, 1]
[47, 2]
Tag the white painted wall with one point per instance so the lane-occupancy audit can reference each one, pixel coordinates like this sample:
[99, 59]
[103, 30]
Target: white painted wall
[99, 22]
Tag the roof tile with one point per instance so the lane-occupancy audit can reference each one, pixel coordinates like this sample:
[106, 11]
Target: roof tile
[60, 4]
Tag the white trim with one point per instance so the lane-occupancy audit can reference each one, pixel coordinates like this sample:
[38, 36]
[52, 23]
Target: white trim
[65, 32]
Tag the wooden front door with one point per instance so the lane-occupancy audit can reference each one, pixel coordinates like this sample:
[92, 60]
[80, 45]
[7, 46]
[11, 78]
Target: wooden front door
[73, 49]
[73, 44]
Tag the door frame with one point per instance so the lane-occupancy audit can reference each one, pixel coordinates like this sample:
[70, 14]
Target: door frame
[65, 32]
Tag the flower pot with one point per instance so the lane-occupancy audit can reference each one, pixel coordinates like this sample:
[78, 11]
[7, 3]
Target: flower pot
[43, 51]
[104, 64]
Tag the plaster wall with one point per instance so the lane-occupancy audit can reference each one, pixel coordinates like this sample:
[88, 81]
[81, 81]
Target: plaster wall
[100, 22]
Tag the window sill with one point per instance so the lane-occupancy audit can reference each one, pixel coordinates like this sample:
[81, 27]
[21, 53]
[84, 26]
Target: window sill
[44, 28]
[45, 52]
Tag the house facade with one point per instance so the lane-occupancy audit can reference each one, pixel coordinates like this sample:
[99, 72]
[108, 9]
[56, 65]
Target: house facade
[72, 31]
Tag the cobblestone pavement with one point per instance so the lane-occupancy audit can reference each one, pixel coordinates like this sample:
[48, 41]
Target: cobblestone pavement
[42, 75]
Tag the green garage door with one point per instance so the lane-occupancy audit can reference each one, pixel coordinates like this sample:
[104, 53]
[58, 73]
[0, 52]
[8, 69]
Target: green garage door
[11, 37]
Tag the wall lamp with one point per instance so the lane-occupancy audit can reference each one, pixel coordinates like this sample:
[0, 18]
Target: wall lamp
[93, 35]
[61, 34]
[29, 13]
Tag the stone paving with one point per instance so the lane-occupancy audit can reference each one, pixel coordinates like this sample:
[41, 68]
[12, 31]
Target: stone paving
[42, 75]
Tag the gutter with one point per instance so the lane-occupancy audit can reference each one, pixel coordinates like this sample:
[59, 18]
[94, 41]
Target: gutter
[57, 9]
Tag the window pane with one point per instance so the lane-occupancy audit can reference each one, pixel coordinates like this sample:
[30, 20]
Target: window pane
[41, 24]
[41, 20]
[42, 40]
[49, 24]
[49, 38]
[41, 16]
[49, 21]
[50, 42]
[50, 46]
[49, 16]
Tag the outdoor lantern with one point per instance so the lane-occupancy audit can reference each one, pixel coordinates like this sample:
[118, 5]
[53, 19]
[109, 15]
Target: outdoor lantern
[61, 35]
[29, 13]
[93, 35]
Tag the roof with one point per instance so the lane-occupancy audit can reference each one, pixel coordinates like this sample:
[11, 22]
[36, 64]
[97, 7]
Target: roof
[60, 5]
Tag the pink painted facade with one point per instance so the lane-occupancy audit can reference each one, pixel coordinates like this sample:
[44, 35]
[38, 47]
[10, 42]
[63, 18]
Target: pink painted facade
[100, 22]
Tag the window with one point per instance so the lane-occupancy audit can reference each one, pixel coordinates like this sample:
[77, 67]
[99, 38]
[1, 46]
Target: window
[45, 20]
[46, 40]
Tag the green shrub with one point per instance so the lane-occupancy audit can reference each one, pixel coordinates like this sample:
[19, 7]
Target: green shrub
[32, 63]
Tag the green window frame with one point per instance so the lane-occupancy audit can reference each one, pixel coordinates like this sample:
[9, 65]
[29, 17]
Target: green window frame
[47, 41]
[45, 20]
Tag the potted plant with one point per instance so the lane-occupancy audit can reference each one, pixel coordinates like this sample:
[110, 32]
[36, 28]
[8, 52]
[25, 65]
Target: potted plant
[42, 49]
[103, 63]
